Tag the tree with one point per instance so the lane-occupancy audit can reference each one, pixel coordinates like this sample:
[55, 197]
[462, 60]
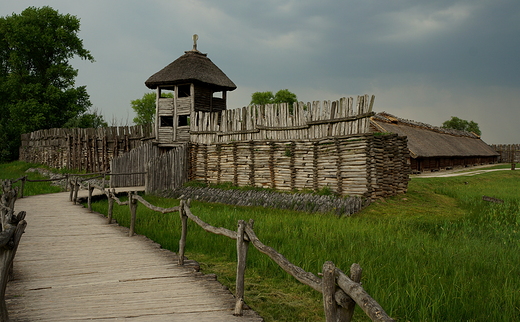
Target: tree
[262, 98]
[37, 82]
[462, 125]
[282, 96]
[145, 108]
[87, 120]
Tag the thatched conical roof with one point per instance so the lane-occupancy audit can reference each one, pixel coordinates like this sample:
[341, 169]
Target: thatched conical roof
[192, 67]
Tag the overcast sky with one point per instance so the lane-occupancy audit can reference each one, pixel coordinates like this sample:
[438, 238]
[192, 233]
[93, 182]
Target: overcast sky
[423, 60]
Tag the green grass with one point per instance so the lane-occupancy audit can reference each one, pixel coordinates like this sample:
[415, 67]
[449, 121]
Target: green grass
[438, 253]
[15, 170]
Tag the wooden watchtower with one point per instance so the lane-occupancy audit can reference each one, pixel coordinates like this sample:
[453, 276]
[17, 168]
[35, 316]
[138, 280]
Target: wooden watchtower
[197, 85]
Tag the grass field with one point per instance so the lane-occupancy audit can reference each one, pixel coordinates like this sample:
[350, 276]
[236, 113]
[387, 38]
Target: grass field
[438, 253]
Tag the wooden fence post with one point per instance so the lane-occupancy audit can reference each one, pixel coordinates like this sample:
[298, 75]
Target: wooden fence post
[71, 184]
[242, 246]
[23, 186]
[76, 188]
[355, 276]
[90, 190]
[329, 289]
[110, 205]
[132, 203]
[184, 232]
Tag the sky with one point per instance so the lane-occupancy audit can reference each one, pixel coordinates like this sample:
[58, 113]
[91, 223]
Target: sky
[423, 60]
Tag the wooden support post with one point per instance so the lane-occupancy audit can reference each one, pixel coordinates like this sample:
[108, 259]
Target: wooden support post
[23, 186]
[184, 232]
[328, 291]
[132, 203]
[242, 246]
[110, 205]
[71, 184]
[90, 190]
[355, 276]
[76, 188]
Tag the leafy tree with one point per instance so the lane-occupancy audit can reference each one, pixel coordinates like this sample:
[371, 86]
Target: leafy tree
[37, 82]
[282, 96]
[262, 98]
[87, 120]
[145, 108]
[462, 125]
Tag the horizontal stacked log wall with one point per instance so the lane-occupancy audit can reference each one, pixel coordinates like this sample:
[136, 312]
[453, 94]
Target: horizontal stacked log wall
[508, 152]
[283, 122]
[360, 165]
[82, 149]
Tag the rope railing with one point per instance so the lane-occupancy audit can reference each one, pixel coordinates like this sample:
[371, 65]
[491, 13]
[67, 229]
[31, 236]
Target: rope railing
[340, 292]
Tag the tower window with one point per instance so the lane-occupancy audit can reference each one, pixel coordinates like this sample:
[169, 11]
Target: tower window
[184, 120]
[184, 90]
[166, 121]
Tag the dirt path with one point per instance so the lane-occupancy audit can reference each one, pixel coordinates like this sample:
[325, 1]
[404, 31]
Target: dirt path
[458, 172]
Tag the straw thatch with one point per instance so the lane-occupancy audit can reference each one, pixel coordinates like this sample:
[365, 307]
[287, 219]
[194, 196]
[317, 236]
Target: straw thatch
[428, 141]
[192, 67]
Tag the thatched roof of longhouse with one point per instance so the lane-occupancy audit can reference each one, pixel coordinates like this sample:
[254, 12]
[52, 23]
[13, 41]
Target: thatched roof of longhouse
[426, 141]
[192, 67]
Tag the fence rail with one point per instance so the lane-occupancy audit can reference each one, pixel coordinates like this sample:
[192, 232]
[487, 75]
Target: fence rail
[340, 292]
[13, 226]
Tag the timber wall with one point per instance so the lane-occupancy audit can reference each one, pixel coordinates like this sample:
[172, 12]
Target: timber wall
[508, 152]
[365, 165]
[82, 149]
[283, 122]
[162, 168]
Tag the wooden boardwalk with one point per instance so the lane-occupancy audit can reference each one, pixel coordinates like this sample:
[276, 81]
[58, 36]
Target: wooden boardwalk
[72, 266]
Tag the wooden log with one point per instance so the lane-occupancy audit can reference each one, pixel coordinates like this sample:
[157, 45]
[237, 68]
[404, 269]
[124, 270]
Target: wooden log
[76, 189]
[355, 276]
[242, 247]
[360, 296]
[305, 277]
[111, 200]
[9, 241]
[184, 232]
[132, 203]
[89, 200]
[328, 291]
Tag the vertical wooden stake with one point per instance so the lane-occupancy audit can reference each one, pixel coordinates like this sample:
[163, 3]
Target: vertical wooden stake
[90, 190]
[184, 232]
[329, 289]
[110, 205]
[132, 203]
[242, 246]
[23, 186]
[355, 276]
[76, 188]
[71, 185]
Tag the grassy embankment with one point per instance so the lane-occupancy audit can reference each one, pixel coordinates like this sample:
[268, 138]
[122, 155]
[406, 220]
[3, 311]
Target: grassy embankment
[438, 253]
[15, 170]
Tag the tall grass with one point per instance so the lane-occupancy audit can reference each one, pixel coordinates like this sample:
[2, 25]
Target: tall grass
[17, 169]
[439, 253]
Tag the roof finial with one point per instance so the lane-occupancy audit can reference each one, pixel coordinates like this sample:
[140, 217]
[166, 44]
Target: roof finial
[195, 38]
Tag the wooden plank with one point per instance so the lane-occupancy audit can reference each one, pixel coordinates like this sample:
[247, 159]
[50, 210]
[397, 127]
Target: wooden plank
[71, 265]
